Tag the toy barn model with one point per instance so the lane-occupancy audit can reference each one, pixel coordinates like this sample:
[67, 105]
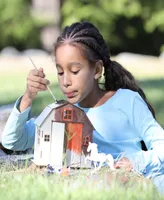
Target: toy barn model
[62, 128]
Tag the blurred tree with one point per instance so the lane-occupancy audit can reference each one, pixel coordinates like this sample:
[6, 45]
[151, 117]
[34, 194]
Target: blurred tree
[48, 11]
[18, 27]
[127, 25]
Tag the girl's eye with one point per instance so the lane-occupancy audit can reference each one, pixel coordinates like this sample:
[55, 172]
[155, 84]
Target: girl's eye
[75, 72]
[60, 73]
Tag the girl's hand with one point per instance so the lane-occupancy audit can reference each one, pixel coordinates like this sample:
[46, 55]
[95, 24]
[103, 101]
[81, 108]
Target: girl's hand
[36, 82]
[124, 163]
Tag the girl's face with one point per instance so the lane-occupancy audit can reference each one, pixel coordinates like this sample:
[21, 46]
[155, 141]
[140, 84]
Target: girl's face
[77, 79]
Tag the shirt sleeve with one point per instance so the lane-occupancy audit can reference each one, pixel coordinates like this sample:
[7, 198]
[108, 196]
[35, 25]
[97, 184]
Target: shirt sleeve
[19, 131]
[148, 162]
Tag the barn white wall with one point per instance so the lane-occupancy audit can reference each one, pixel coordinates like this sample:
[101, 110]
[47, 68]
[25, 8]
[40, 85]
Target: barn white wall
[36, 146]
[44, 147]
[46, 125]
[57, 144]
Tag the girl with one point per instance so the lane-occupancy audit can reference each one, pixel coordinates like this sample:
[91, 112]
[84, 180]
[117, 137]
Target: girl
[119, 112]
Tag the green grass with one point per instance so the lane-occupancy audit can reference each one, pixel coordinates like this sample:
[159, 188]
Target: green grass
[81, 185]
[154, 90]
[12, 86]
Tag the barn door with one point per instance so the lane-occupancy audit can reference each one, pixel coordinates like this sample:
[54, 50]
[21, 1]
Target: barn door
[74, 137]
[57, 144]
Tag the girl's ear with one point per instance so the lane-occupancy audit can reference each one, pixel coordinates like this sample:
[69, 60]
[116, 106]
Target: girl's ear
[98, 69]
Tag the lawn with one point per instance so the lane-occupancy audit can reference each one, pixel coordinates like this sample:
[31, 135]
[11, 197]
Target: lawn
[80, 184]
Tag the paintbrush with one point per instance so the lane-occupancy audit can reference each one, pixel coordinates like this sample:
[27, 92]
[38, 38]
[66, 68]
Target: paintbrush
[47, 85]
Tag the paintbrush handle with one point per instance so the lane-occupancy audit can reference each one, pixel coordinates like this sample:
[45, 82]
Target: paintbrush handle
[51, 93]
[47, 85]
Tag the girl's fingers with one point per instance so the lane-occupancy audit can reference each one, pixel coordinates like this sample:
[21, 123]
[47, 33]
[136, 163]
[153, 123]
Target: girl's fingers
[36, 72]
[36, 85]
[126, 165]
[38, 80]
[40, 69]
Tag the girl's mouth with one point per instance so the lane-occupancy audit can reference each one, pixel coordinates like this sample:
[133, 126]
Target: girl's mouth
[70, 94]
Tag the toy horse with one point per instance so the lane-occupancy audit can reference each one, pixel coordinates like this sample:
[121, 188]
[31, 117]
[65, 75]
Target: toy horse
[99, 157]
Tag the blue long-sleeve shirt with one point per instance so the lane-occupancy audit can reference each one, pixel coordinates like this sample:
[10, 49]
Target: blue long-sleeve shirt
[121, 123]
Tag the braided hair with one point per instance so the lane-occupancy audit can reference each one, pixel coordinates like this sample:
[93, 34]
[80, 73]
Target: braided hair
[86, 36]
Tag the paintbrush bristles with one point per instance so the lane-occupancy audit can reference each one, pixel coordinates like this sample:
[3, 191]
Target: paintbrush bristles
[47, 85]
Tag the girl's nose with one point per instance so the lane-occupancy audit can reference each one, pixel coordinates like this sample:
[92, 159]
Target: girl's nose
[66, 81]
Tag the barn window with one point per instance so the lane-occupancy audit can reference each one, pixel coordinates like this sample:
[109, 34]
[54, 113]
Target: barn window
[67, 114]
[86, 140]
[46, 138]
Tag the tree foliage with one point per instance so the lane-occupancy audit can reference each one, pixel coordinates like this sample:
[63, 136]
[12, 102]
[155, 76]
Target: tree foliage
[127, 25]
[18, 27]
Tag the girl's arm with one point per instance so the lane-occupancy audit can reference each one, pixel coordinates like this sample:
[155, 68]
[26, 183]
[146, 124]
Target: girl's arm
[152, 161]
[18, 134]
